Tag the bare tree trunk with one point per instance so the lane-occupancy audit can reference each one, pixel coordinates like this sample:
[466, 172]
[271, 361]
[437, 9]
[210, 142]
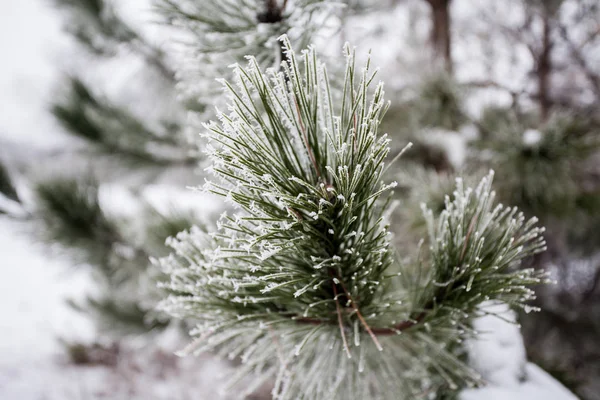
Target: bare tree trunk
[440, 31]
[544, 68]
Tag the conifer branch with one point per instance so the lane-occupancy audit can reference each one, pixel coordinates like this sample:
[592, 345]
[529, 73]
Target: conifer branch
[307, 256]
[97, 25]
[71, 215]
[7, 187]
[224, 32]
[93, 117]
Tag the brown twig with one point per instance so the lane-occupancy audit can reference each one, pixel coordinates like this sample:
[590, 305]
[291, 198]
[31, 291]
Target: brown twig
[296, 213]
[373, 332]
[360, 317]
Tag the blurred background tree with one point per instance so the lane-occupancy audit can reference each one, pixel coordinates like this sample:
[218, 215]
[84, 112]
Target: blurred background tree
[131, 129]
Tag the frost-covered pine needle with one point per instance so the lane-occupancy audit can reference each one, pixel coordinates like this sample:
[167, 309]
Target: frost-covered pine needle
[301, 283]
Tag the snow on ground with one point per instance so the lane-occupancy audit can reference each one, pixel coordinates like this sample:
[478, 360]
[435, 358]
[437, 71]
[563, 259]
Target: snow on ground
[33, 290]
[498, 354]
[35, 315]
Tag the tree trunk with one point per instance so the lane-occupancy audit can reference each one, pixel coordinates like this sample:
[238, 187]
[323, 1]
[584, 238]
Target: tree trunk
[440, 32]
[544, 67]
[273, 14]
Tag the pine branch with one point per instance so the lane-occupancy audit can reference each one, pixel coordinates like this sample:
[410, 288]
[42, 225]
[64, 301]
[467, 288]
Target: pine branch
[7, 187]
[117, 314]
[439, 103]
[115, 130]
[224, 32]
[543, 171]
[159, 226]
[307, 256]
[96, 25]
[72, 216]
[76, 203]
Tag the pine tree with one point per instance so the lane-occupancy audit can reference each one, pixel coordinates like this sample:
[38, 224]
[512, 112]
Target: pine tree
[124, 139]
[125, 300]
[544, 148]
[110, 126]
[302, 282]
[221, 33]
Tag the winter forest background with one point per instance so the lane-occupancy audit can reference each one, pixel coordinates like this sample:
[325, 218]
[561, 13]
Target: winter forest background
[101, 161]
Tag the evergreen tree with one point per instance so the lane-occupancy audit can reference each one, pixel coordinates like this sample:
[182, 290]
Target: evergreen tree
[544, 147]
[124, 140]
[125, 302]
[221, 33]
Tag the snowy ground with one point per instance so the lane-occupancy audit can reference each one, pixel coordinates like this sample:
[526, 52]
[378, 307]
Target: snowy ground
[32, 301]
[35, 315]
[499, 356]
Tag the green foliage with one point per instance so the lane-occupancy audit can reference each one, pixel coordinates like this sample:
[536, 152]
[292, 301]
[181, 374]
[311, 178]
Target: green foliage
[115, 130]
[117, 251]
[403, 125]
[439, 103]
[496, 119]
[546, 176]
[119, 313]
[225, 32]
[475, 242]
[302, 282]
[420, 186]
[7, 187]
[72, 216]
[95, 24]
[160, 226]
[435, 103]
[234, 24]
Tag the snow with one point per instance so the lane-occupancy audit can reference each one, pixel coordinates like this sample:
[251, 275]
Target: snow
[498, 354]
[30, 66]
[35, 316]
[33, 291]
[537, 386]
[531, 137]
